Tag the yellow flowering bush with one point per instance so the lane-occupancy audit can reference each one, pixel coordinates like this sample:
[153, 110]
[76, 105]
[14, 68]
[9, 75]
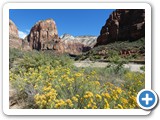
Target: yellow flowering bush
[62, 86]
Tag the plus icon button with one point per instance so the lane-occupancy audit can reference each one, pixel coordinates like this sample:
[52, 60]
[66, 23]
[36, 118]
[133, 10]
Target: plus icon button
[147, 99]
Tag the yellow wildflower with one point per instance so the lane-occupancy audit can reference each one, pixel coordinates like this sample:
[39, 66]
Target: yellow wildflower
[124, 101]
[78, 74]
[119, 90]
[74, 99]
[106, 95]
[90, 94]
[97, 83]
[106, 106]
[98, 97]
[69, 102]
[120, 106]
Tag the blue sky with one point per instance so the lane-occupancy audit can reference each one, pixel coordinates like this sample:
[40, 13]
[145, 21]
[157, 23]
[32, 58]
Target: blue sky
[75, 22]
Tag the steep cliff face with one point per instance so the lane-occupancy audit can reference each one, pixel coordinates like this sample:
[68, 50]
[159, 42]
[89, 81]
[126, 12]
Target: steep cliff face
[14, 40]
[42, 33]
[13, 30]
[122, 25]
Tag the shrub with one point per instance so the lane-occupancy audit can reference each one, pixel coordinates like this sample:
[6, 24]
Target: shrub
[13, 55]
[51, 82]
[142, 68]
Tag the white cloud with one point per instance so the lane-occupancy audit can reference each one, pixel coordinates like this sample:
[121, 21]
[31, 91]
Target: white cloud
[27, 30]
[22, 34]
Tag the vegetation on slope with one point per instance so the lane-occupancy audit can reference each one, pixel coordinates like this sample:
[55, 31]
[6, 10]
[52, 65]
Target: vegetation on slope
[124, 51]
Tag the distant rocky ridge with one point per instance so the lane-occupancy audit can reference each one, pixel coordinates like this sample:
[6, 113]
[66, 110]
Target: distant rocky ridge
[75, 45]
[89, 41]
[122, 25]
[86, 40]
[67, 37]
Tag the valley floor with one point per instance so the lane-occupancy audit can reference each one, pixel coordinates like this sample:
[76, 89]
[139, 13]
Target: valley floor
[132, 66]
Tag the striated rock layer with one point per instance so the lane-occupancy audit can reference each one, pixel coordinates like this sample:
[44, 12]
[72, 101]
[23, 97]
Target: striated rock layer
[42, 33]
[122, 25]
[76, 44]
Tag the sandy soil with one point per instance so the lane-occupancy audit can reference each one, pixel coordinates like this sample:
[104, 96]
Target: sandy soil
[132, 66]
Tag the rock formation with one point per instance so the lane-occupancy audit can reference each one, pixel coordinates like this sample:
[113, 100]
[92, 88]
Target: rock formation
[71, 47]
[89, 41]
[14, 40]
[67, 37]
[75, 45]
[42, 34]
[122, 25]
[13, 30]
